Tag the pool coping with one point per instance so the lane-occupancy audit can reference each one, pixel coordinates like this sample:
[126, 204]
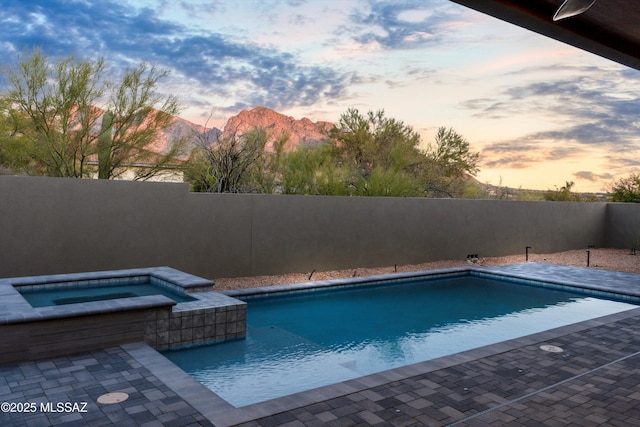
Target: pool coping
[603, 282]
[343, 283]
[222, 413]
[528, 278]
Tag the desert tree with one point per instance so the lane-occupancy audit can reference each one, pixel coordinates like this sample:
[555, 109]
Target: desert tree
[313, 170]
[61, 101]
[450, 164]
[452, 152]
[223, 164]
[265, 175]
[562, 194]
[626, 189]
[240, 159]
[382, 154]
[15, 144]
[137, 115]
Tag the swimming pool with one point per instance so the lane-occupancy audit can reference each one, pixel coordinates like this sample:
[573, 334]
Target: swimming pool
[302, 340]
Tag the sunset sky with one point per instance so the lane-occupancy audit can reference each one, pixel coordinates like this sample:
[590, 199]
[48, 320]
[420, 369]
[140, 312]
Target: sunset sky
[540, 112]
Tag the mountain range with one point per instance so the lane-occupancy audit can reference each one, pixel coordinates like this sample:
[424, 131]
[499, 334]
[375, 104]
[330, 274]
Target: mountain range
[297, 131]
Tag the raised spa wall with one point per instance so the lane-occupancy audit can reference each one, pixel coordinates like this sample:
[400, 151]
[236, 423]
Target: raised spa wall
[29, 333]
[212, 318]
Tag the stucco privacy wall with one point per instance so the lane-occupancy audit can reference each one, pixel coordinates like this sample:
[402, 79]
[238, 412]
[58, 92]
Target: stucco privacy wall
[54, 225]
[623, 225]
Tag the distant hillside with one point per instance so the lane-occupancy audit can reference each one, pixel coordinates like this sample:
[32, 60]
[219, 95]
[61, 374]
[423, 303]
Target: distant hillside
[183, 129]
[179, 129]
[299, 132]
[511, 193]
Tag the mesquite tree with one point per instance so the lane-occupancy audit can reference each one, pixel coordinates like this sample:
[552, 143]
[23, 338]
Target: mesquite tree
[224, 165]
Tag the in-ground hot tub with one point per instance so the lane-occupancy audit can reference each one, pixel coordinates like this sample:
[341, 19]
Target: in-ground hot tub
[51, 294]
[45, 316]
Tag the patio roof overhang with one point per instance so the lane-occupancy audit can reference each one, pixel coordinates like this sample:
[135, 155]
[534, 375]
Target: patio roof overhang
[610, 28]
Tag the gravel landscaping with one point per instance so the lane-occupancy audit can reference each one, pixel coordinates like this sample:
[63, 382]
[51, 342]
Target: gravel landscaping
[602, 258]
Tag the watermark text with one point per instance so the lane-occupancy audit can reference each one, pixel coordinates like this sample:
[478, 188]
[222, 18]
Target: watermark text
[47, 407]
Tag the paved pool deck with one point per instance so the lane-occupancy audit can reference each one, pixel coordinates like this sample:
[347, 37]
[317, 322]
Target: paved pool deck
[594, 381]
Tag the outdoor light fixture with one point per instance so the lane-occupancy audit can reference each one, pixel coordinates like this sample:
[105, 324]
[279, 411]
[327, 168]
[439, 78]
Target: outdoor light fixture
[572, 8]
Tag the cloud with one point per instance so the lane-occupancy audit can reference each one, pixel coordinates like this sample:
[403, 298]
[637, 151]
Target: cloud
[584, 108]
[620, 162]
[593, 177]
[527, 151]
[515, 154]
[127, 35]
[512, 147]
[403, 24]
[601, 132]
[510, 161]
[488, 108]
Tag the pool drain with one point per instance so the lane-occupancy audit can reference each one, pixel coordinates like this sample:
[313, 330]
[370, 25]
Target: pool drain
[111, 398]
[551, 348]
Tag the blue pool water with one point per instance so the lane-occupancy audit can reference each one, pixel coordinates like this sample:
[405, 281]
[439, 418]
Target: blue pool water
[45, 297]
[305, 340]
